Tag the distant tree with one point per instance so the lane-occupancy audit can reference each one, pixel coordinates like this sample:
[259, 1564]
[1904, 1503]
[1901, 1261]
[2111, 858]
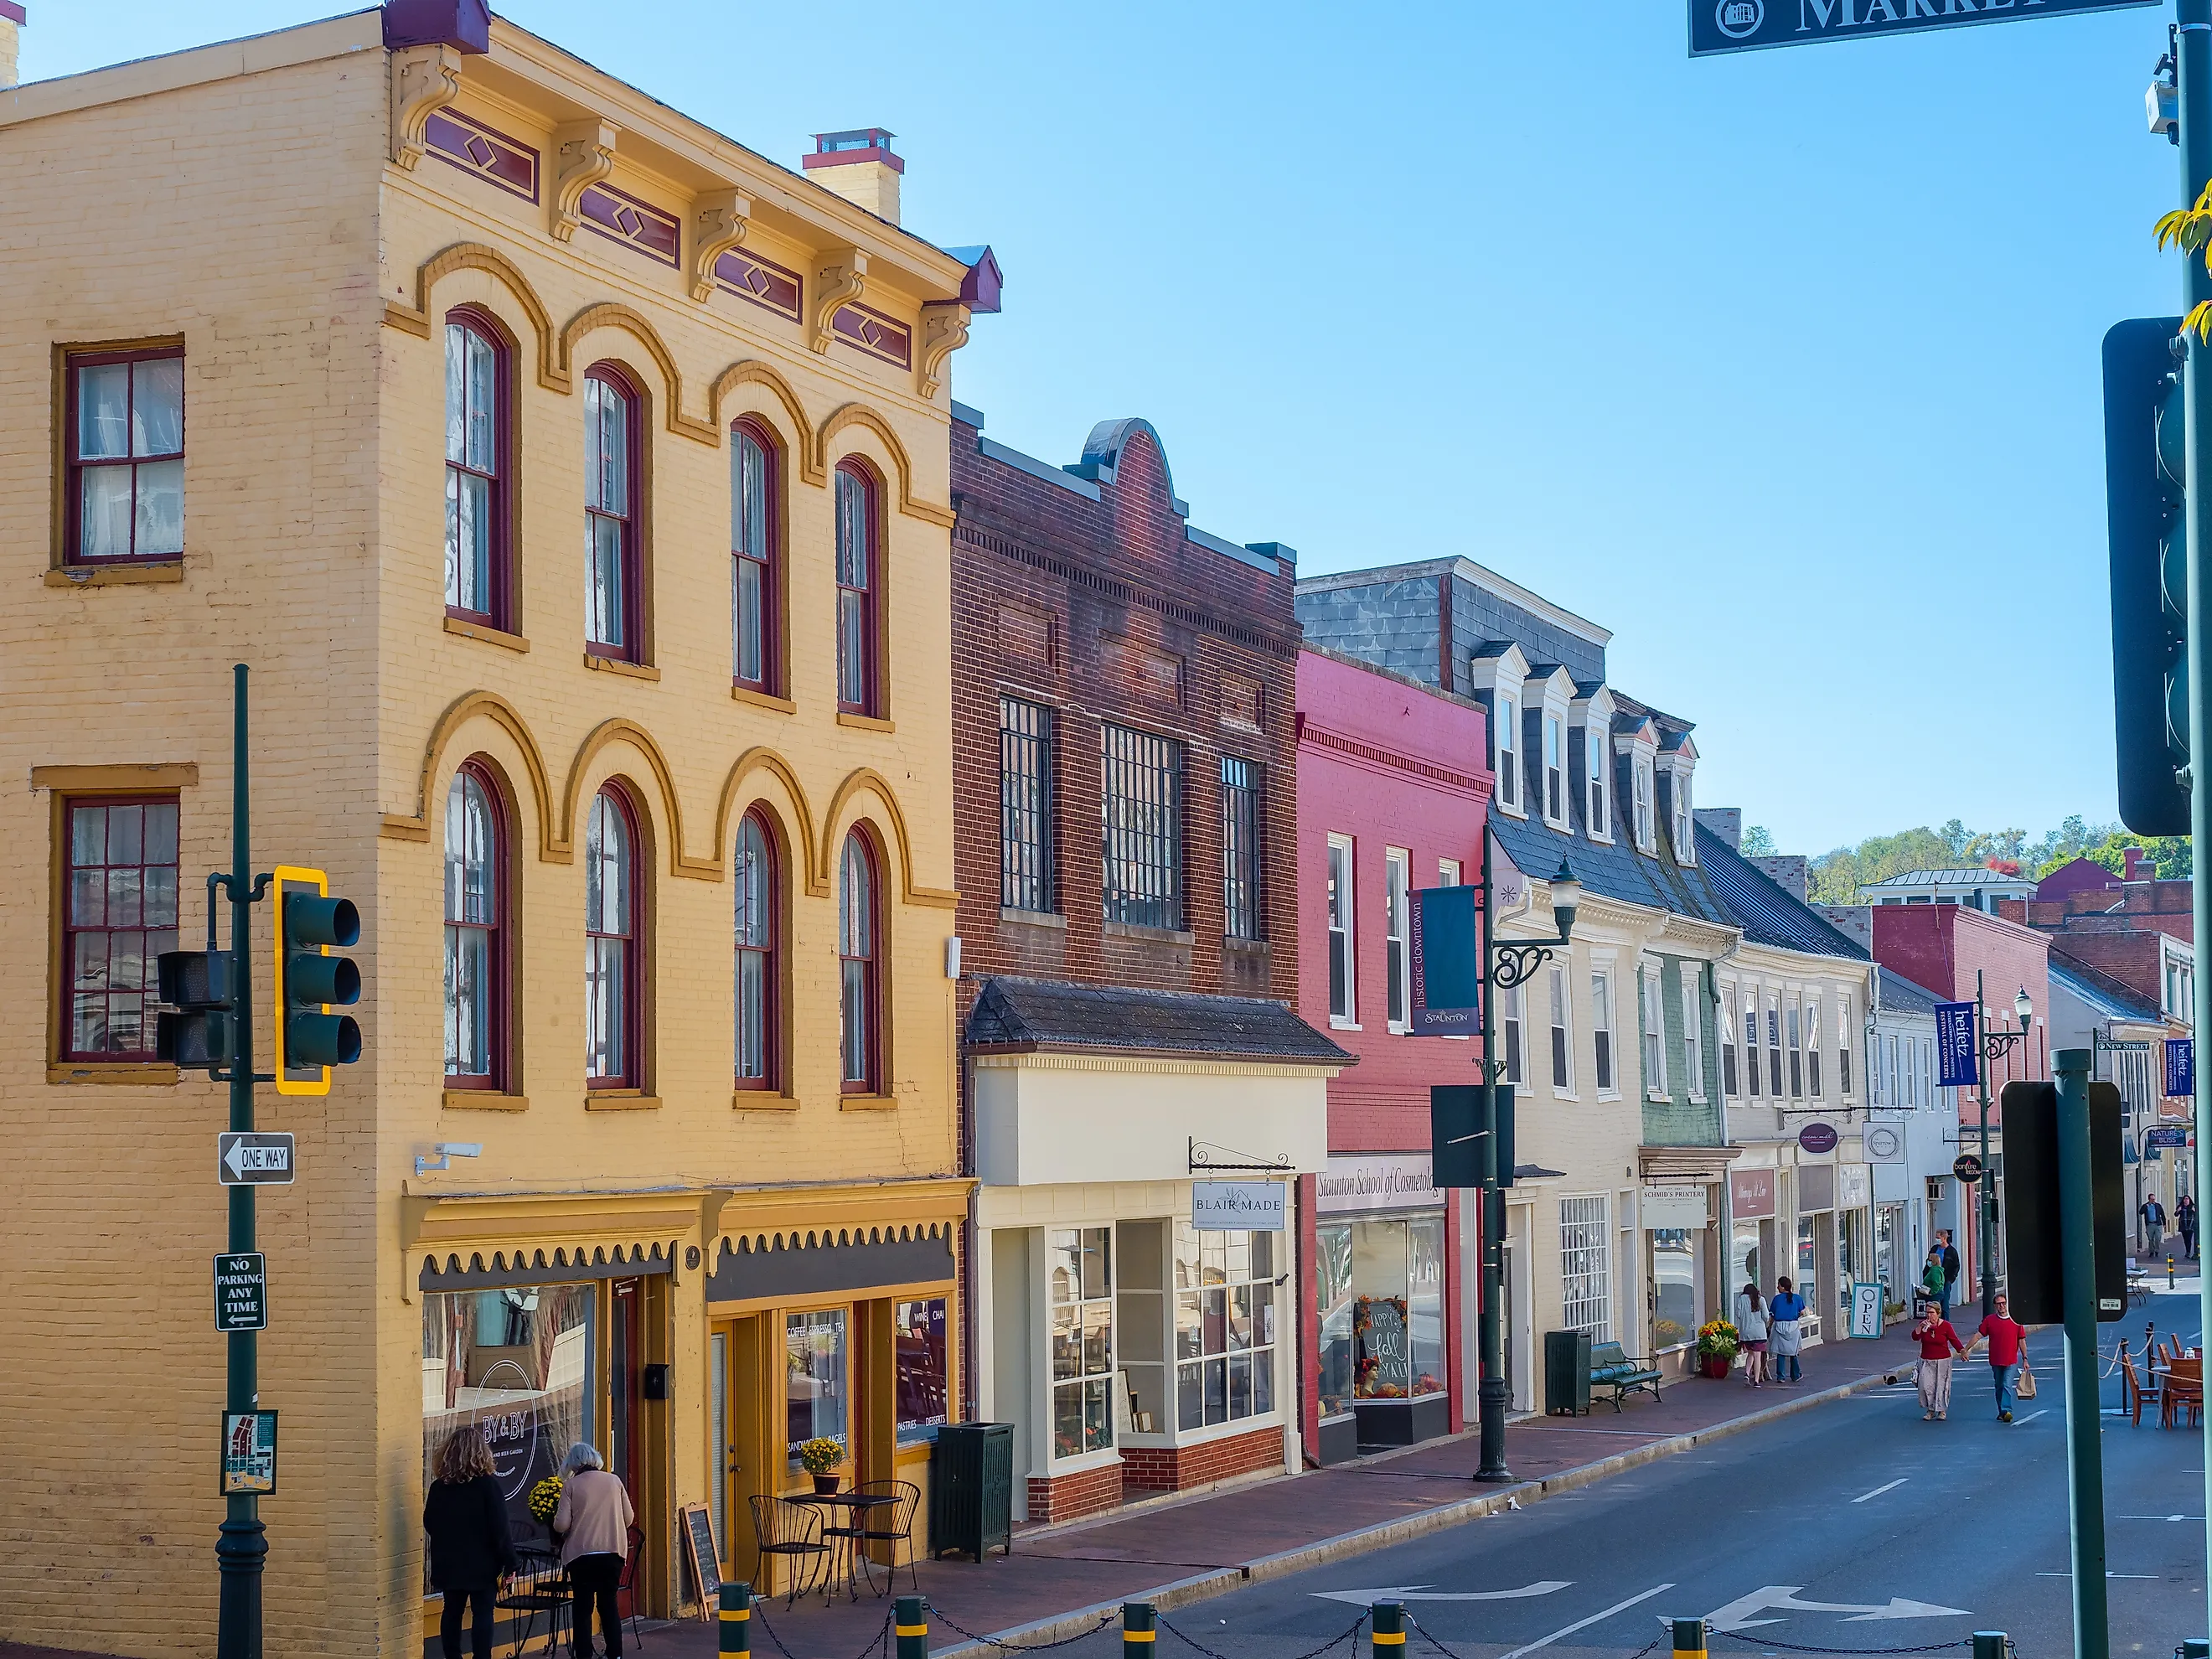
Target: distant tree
[2170, 855]
[1759, 842]
[1838, 875]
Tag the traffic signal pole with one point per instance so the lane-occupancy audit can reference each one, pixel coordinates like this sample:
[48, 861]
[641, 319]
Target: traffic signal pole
[241, 1550]
[2084, 1450]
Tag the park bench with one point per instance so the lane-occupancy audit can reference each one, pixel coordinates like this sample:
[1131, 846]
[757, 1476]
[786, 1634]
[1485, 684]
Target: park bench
[1611, 1367]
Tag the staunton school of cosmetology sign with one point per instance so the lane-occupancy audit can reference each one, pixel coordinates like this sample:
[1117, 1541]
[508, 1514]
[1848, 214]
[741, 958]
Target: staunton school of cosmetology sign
[1718, 26]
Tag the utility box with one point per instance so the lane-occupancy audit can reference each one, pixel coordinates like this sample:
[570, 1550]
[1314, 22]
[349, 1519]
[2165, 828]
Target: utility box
[1566, 1373]
[971, 1489]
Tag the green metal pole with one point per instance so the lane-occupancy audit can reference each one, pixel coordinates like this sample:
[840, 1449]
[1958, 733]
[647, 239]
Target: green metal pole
[242, 1550]
[1493, 1393]
[910, 1624]
[2085, 1450]
[1986, 1191]
[2193, 80]
[1991, 1644]
[1388, 1630]
[1140, 1629]
[736, 1620]
[1689, 1635]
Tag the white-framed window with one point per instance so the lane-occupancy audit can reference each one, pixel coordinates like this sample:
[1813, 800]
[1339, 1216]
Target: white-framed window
[1597, 756]
[1896, 1088]
[1640, 770]
[1602, 1030]
[1511, 1026]
[1562, 1049]
[1774, 1046]
[1844, 1036]
[1555, 769]
[1731, 1077]
[1655, 1036]
[1793, 1024]
[1226, 1329]
[1685, 851]
[1753, 1075]
[1927, 1070]
[1693, 1034]
[1508, 746]
[1079, 1302]
[1397, 937]
[1343, 1000]
[1585, 1275]
[1448, 872]
[1813, 1048]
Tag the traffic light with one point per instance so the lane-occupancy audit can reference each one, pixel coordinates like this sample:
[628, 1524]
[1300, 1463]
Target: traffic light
[2145, 473]
[2034, 1265]
[310, 1040]
[197, 985]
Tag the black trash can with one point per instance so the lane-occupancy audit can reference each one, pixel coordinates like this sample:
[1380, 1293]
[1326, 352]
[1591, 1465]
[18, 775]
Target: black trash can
[971, 1489]
[1566, 1373]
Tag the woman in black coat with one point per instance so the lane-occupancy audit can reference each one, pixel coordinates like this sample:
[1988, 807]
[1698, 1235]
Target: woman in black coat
[471, 1547]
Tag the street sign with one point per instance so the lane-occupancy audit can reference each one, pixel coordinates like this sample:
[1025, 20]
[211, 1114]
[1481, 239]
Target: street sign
[248, 1459]
[1955, 1046]
[241, 1291]
[2125, 1045]
[2169, 1135]
[1228, 1206]
[2181, 1066]
[1966, 1167]
[1817, 1138]
[254, 1158]
[1447, 977]
[1723, 25]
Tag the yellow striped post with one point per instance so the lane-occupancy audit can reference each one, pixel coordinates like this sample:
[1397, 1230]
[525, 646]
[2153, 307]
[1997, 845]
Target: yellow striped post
[910, 1624]
[1689, 1638]
[1141, 1628]
[737, 1619]
[1389, 1637]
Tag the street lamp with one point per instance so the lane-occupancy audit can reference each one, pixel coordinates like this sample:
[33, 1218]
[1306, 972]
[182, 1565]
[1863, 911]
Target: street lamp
[1506, 963]
[1995, 1045]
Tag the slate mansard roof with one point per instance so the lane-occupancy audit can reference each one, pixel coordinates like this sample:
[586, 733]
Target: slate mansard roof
[1767, 913]
[1015, 1015]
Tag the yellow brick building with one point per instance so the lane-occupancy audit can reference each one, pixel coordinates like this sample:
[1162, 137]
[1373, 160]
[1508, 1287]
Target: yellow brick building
[574, 482]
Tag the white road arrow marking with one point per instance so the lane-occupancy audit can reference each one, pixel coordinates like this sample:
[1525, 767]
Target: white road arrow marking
[1737, 1615]
[1365, 1598]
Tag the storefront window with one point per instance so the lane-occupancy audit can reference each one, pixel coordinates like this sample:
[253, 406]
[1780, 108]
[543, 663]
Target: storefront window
[1224, 1326]
[814, 1378]
[1382, 1309]
[918, 1354]
[1885, 1249]
[1674, 1282]
[1332, 1304]
[1808, 1276]
[521, 1365]
[1079, 1279]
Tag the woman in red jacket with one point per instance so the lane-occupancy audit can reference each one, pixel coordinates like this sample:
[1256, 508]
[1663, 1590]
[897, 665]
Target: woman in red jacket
[1938, 1343]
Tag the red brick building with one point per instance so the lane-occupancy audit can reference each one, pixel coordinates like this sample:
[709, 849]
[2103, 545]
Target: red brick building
[1125, 794]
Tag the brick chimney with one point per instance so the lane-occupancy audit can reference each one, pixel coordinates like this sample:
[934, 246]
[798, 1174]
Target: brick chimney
[12, 19]
[860, 167]
[2134, 857]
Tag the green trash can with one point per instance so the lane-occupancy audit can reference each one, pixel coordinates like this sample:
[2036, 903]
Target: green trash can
[971, 1489]
[1566, 1373]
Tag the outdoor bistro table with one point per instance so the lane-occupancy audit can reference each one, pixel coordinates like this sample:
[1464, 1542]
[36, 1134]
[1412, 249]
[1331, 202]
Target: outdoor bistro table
[856, 1506]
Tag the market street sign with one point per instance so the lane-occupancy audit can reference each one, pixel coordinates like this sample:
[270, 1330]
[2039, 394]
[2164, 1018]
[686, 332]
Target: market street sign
[254, 1158]
[1720, 25]
[1955, 1046]
[1966, 1167]
[241, 1291]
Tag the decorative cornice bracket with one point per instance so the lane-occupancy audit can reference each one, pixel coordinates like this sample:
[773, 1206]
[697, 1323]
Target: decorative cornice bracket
[718, 225]
[839, 278]
[424, 81]
[943, 332]
[587, 152]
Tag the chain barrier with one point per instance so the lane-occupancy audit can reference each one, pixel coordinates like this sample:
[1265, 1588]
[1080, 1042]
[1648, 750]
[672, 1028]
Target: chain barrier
[1763, 1641]
[1358, 1624]
[1020, 1647]
[759, 1618]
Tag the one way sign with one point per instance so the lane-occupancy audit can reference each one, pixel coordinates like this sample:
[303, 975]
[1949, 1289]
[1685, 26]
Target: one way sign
[251, 1159]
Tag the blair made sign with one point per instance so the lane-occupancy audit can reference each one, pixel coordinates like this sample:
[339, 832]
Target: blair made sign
[1718, 26]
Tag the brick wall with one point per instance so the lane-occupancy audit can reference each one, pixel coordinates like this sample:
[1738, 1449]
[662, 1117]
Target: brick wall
[1070, 1497]
[1178, 1469]
[1943, 946]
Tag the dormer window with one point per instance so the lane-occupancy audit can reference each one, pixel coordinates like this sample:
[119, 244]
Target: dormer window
[1508, 761]
[1600, 805]
[1640, 771]
[1684, 825]
[1555, 769]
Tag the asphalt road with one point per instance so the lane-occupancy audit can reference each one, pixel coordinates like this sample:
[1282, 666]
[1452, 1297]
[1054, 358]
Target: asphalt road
[1854, 1527]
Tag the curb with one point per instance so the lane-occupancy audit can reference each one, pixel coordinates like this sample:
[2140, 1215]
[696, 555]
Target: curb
[1205, 1586]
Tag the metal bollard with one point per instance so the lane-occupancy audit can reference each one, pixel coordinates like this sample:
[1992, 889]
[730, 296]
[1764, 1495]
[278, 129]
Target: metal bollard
[1990, 1643]
[737, 1619]
[1140, 1629]
[2169, 1273]
[1389, 1633]
[1690, 1637]
[2195, 1647]
[910, 1624]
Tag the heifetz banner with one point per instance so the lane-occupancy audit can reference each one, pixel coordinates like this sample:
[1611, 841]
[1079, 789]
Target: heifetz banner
[1955, 1046]
[2180, 1066]
[1447, 977]
[1718, 26]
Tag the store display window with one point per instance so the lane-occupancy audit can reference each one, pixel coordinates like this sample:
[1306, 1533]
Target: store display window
[918, 1362]
[1079, 1294]
[1224, 1325]
[816, 1397]
[1381, 1301]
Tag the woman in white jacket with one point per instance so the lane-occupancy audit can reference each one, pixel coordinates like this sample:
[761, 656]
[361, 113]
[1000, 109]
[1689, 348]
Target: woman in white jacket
[1750, 1323]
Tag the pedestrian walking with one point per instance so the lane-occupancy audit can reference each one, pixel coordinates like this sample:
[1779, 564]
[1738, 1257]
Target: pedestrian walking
[1751, 1334]
[2154, 1225]
[1931, 1279]
[1950, 1272]
[472, 1548]
[594, 1519]
[1785, 1335]
[1938, 1344]
[2184, 1221]
[2008, 1340]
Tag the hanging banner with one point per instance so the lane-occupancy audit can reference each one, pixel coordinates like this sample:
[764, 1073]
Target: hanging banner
[1447, 974]
[1955, 1046]
[1509, 887]
[2180, 1066]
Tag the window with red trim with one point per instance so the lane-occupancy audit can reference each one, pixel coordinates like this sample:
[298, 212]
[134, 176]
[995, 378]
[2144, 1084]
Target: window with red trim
[477, 470]
[612, 986]
[475, 931]
[119, 913]
[125, 457]
[860, 1046]
[754, 867]
[753, 597]
[858, 574]
[611, 550]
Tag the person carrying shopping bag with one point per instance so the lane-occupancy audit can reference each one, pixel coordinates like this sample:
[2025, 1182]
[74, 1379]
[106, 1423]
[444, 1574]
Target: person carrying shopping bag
[2008, 1340]
[1785, 1335]
[1750, 1323]
[1938, 1344]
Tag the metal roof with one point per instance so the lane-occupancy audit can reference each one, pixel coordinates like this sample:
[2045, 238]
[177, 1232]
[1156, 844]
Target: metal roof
[1981, 876]
[1028, 1015]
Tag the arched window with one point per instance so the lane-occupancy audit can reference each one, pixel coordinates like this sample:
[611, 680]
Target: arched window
[476, 955]
[752, 565]
[610, 469]
[476, 472]
[857, 585]
[754, 867]
[860, 1049]
[611, 986]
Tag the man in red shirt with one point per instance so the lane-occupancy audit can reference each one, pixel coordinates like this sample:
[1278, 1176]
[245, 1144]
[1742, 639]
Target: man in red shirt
[2008, 1340]
[1938, 1342]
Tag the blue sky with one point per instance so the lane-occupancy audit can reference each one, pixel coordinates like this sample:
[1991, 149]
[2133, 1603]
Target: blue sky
[1784, 367]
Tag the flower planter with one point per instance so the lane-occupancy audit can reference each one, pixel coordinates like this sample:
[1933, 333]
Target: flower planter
[824, 1485]
[1714, 1366]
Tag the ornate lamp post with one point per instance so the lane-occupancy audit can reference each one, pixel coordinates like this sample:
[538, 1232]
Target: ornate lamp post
[1506, 963]
[1995, 1045]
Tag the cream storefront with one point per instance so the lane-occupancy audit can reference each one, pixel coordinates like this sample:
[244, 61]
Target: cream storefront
[1136, 1276]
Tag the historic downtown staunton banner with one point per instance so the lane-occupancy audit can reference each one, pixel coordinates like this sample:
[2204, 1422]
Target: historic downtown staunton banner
[1718, 26]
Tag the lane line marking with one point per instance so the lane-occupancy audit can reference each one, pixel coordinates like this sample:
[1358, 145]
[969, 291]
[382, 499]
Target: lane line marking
[2022, 1422]
[1584, 1624]
[1878, 1491]
[2151, 1576]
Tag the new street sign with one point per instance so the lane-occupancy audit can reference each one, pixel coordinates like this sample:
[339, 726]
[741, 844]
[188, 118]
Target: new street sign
[241, 1291]
[1720, 25]
[254, 1158]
